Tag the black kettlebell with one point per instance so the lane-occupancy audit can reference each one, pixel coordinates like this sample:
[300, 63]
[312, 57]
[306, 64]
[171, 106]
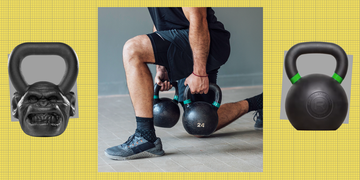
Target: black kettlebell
[201, 118]
[166, 111]
[316, 101]
[43, 108]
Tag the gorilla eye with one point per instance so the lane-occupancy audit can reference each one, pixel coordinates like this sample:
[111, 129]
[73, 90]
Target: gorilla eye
[33, 99]
[53, 98]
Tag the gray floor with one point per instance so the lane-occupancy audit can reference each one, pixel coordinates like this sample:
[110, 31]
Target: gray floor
[235, 148]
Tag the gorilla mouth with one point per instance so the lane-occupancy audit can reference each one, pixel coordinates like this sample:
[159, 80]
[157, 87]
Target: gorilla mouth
[53, 119]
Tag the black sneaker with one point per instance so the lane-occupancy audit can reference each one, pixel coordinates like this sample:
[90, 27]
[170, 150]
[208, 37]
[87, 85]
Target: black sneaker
[258, 118]
[135, 147]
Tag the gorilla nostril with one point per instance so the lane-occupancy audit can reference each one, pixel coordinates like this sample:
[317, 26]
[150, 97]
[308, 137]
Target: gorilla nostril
[43, 103]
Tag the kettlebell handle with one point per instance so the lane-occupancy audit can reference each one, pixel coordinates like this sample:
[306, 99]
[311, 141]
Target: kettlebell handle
[212, 87]
[63, 50]
[158, 87]
[316, 47]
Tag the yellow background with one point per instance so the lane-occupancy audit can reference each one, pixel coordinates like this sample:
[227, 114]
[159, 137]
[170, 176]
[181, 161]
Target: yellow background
[288, 154]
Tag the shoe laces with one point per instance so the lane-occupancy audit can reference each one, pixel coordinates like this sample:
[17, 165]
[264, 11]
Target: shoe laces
[129, 139]
[257, 114]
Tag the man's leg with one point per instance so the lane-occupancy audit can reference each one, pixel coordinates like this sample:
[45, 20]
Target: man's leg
[137, 53]
[229, 112]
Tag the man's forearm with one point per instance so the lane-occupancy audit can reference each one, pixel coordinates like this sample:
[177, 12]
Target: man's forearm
[199, 38]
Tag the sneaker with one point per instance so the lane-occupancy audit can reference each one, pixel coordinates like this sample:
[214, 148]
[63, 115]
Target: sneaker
[258, 118]
[135, 147]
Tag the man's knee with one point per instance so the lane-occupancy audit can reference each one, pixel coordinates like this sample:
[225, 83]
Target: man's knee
[138, 50]
[130, 50]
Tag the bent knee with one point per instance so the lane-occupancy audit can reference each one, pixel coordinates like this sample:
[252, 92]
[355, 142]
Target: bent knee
[131, 48]
[135, 49]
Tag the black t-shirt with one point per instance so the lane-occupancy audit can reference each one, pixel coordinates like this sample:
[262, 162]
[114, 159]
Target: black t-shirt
[174, 18]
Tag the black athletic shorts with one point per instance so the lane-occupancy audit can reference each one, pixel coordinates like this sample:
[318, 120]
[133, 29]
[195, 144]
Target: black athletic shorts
[176, 57]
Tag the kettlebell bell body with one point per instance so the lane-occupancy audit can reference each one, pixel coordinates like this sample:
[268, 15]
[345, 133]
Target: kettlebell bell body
[165, 110]
[316, 101]
[201, 118]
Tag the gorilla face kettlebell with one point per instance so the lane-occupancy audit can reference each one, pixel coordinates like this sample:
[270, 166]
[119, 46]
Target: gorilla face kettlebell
[43, 108]
[166, 111]
[316, 101]
[201, 118]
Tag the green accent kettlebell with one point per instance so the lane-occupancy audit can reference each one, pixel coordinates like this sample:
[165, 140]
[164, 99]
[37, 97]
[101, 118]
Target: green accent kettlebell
[316, 101]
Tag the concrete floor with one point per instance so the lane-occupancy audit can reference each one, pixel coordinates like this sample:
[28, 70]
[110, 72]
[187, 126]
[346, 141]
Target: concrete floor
[235, 148]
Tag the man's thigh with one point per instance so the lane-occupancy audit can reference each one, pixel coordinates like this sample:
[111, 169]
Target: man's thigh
[174, 53]
[160, 48]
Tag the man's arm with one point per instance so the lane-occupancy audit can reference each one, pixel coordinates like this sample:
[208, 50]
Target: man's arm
[162, 78]
[199, 38]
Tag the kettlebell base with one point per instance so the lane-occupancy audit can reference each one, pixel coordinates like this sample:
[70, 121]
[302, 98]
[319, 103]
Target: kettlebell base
[161, 126]
[311, 129]
[313, 126]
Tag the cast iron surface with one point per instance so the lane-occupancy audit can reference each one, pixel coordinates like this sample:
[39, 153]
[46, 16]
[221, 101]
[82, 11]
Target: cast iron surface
[201, 118]
[166, 111]
[316, 101]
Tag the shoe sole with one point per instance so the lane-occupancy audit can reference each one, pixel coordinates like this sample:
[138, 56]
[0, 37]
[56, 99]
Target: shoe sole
[144, 154]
